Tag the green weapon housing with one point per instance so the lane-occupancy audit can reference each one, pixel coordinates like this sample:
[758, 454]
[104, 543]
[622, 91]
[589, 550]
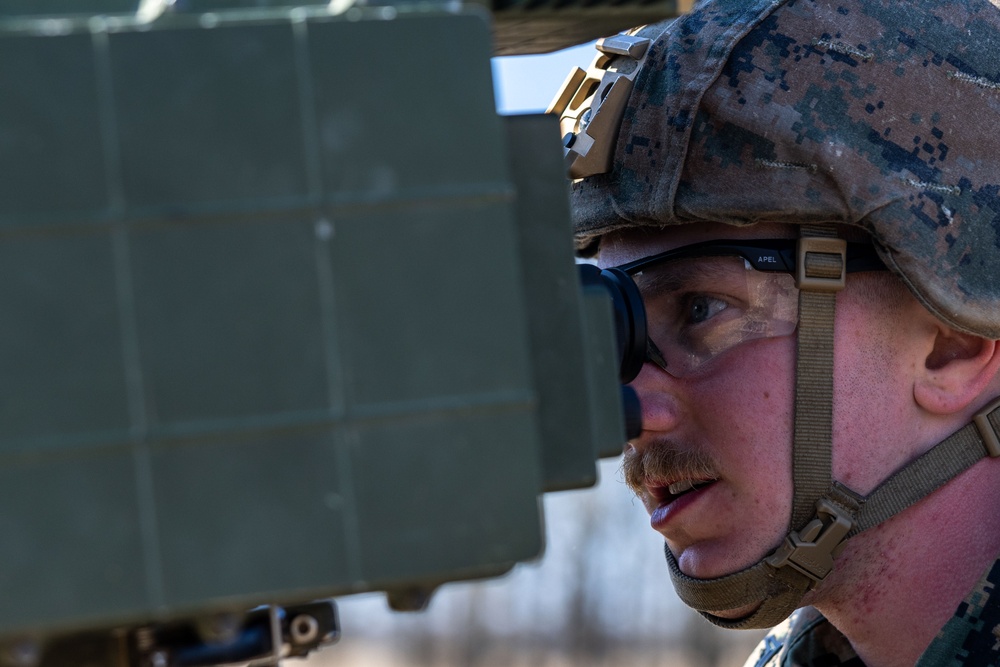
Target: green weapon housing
[288, 312]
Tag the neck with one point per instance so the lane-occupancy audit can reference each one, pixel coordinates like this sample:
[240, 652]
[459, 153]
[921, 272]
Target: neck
[895, 586]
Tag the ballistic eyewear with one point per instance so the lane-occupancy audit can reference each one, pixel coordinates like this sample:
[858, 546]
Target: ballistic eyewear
[700, 300]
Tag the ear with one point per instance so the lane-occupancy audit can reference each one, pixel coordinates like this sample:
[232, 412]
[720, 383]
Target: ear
[957, 370]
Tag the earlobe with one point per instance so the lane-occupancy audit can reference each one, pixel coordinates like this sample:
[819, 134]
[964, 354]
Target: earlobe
[956, 371]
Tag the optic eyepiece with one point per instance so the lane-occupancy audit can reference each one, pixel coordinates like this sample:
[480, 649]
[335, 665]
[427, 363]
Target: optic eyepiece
[629, 314]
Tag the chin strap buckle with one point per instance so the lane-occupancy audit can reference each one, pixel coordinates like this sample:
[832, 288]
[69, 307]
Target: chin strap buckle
[811, 550]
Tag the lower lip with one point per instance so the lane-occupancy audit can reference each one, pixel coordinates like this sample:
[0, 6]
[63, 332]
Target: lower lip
[662, 515]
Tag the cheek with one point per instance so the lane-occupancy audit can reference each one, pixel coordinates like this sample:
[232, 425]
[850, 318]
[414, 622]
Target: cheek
[745, 418]
[759, 387]
[868, 444]
[753, 425]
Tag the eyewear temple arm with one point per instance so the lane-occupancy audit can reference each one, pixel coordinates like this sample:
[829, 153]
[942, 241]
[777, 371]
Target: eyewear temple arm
[762, 254]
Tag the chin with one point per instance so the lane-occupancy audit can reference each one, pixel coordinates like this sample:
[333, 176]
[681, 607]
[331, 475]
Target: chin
[716, 558]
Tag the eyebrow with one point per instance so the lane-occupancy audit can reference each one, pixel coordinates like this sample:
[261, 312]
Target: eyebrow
[658, 280]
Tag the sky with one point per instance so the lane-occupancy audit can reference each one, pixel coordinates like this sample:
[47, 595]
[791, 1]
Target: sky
[528, 83]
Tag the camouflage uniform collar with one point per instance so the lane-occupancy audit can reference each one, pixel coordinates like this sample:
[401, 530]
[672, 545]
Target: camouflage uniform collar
[971, 637]
[806, 639]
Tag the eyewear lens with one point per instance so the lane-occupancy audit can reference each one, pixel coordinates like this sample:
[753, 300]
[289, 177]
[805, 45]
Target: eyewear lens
[698, 308]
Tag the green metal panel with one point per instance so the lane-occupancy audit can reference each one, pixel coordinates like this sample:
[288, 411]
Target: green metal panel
[229, 324]
[463, 505]
[271, 517]
[606, 416]
[278, 322]
[554, 301]
[422, 130]
[439, 317]
[191, 121]
[51, 138]
[282, 311]
[61, 360]
[71, 540]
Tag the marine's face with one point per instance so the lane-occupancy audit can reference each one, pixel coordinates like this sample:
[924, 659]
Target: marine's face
[726, 426]
[727, 423]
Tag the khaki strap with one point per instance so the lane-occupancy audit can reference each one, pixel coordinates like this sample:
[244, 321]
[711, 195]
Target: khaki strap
[932, 470]
[825, 513]
[778, 592]
[811, 467]
[820, 274]
[811, 450]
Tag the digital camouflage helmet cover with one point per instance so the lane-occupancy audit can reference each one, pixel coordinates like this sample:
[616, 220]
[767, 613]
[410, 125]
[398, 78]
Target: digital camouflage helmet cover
[873, 113]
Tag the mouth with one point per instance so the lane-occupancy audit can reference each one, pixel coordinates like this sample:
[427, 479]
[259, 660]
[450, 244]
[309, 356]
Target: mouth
[665, 494]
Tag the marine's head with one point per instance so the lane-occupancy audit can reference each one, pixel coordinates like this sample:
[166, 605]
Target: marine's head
[806, 195]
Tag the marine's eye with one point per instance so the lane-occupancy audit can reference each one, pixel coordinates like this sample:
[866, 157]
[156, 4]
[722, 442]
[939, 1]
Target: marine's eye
[702, 307]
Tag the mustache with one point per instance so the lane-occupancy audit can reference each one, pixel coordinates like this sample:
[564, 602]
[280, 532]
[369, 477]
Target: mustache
[665, 461]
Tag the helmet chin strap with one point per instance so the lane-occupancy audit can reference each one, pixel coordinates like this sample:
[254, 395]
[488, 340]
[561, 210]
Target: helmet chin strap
[825, 513]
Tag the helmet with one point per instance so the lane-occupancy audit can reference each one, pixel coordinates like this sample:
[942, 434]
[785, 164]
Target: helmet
[867, 113]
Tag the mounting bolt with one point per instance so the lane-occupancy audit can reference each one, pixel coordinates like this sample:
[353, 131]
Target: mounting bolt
[304, 629]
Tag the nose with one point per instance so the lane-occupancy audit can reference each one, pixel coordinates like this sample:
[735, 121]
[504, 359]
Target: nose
[659, 398]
